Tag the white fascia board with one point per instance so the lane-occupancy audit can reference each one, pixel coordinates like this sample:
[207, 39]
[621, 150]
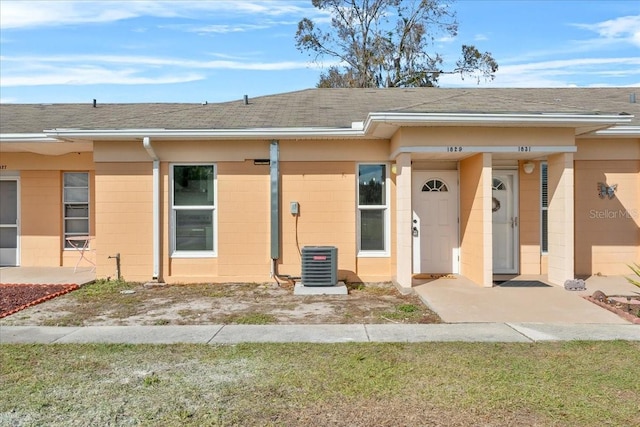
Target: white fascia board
[619, 132]
[26, 137]
[473, 149]
[193, 134]
[493, 119]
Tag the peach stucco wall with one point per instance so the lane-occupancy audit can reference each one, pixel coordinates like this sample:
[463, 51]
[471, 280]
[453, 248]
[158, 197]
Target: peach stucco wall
[530, 221]
[475, 219]
[607, 230]
[480, 136]
[41, 228]
[326, 193]
[124, 218]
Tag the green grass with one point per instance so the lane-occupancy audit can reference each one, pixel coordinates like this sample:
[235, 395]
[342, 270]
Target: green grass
[560, 384]
[404, 312]
[252, 319]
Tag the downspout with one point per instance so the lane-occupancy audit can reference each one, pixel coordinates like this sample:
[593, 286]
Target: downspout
[146, 142]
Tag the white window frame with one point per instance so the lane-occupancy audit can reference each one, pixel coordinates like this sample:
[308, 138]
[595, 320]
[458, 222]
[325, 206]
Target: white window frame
[66, 234]
[214, 217]
[544, 208]
[387, 213]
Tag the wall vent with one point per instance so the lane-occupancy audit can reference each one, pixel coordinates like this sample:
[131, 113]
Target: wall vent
[319, 266]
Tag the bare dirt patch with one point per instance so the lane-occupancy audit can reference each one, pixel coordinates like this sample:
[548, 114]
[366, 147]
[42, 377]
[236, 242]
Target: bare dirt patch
[121, 303]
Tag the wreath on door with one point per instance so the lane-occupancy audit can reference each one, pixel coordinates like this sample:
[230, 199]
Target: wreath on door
[496, 205]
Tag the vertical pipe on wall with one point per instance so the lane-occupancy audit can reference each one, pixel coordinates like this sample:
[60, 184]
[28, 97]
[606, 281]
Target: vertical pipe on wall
[146, 142]
[275, 199]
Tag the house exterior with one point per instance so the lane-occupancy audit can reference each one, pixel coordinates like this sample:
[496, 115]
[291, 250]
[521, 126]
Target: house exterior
[475, 182]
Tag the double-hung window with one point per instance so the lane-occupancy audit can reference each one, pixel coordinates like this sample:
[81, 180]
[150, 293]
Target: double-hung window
[75, 200]
[193, 209]
[373, 210]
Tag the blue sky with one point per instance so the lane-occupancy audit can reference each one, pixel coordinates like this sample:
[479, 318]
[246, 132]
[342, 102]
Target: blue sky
[194, 51]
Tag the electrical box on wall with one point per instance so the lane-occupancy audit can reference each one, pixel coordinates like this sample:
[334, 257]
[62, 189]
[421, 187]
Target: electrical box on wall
[295, 208]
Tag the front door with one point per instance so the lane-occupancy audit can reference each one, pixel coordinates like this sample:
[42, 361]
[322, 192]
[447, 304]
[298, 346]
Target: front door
[505, 222]
[8, 222]
[435, 222]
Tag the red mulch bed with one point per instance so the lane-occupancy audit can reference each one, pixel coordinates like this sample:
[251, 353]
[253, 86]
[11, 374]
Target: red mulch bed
[613, 303]
[14, 298]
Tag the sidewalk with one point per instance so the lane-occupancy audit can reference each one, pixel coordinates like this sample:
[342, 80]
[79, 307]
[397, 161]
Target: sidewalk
[235, 334]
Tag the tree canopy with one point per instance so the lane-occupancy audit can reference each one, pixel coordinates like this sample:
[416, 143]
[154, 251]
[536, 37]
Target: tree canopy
[385, 43]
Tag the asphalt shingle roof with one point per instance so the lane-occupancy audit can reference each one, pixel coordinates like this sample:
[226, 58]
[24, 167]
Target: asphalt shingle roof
[332, 108]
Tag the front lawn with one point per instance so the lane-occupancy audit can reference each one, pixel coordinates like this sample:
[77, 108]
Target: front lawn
[443, 384]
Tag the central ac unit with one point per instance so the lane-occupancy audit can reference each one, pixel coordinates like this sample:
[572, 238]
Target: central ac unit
[319, 266]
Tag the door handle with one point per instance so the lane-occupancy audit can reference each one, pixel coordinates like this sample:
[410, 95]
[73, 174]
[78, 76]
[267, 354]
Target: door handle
[415, 232]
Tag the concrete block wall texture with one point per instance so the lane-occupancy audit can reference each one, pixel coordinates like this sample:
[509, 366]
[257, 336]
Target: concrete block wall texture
[607, 236]
[561, 220]
[475, 219]
[530, 220]
[41, 218]
[326, 193]
[40, 195]
[124, 218]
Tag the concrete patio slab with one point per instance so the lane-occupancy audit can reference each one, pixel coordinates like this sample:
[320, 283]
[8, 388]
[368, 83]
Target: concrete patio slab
[233, 334]
[564, 332]
[462, 332]
[34, 334]
[459, 300]
[165, 334]
[339, 289]
[46, 275]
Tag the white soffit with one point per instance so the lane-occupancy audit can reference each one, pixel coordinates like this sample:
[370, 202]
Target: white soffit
[616, 132]
[384, 125]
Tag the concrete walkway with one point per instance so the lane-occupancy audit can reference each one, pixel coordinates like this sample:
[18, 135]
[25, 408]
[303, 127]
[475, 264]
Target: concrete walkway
[234, 334]
[46, 275]
[523, 299]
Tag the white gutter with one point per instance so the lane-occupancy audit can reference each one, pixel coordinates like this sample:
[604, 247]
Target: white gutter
[494, 118]
[26, 137]
[194, 134]
[146, 143]
[357, 130]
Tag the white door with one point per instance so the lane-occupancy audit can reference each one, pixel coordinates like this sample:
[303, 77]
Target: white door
[9, 222]
[435, 222]
[505, 222]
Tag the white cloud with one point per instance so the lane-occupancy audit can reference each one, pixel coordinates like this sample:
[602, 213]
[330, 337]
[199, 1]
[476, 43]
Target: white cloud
[446, 39]
[31, 14]
[556, 73]
[624, 28]
[117, 69]
[228, 28]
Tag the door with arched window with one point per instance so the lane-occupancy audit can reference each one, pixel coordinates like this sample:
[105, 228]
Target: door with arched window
[435, 221]
[505, 222]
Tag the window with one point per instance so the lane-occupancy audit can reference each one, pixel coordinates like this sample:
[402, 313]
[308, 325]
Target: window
[498, 184]
[75, 201]
[435, 185]
[373, 210]
[544, 206]
[193, 208]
